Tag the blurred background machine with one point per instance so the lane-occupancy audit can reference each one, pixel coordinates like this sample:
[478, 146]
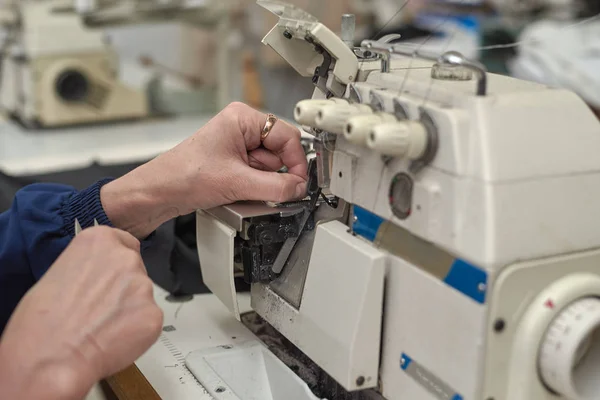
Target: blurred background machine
[60, 68]
[445, 249]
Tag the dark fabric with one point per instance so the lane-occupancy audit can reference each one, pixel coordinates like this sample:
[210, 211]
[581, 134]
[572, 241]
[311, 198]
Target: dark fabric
[37, 223]
[36, 230]
[172, 260]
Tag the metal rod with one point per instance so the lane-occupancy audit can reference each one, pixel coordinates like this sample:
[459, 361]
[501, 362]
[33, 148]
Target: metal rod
[348, 29]
[455, 58]
[450, 58]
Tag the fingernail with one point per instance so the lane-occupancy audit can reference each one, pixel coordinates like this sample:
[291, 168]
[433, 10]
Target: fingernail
[301, 190]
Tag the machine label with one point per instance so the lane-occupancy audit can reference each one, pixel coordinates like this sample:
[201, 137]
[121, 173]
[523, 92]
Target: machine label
[428, 380]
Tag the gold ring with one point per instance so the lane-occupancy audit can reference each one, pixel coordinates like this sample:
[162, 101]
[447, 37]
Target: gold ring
[271, 120]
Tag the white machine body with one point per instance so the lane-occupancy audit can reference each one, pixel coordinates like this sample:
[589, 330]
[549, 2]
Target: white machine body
[469, 264]
[58, 72]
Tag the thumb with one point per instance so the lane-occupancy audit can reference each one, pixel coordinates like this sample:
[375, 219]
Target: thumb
[271, 186]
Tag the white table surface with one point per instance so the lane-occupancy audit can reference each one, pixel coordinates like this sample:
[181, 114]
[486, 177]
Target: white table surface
[27, 152]
[202, 323]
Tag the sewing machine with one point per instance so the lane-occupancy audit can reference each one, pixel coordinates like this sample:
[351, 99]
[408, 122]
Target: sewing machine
[60, 70]
[448, 247]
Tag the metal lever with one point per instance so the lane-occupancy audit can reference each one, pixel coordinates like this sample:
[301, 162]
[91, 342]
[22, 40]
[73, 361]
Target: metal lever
[382, 48]
[456, 59]
[312, 185]
[313, 191]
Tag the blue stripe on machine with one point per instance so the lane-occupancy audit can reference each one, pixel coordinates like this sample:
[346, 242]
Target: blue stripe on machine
[404, 361]
[366, 224]
[467, 279]
[462, 276]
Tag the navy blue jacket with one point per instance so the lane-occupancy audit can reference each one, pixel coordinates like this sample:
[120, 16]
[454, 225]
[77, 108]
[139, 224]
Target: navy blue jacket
[36, 229]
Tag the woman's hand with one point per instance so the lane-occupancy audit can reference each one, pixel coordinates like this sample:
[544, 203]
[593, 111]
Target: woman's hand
[90, 316]
[222, 163]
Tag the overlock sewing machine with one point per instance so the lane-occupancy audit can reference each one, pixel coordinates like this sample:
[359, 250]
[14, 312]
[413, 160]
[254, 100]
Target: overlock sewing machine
[58, 69]
[448, 247]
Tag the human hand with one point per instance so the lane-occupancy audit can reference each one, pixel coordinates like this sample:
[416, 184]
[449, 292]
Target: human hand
[90, 316]
[222, 163]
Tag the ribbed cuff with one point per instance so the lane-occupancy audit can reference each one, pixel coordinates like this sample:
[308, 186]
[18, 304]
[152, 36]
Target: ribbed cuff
[86, 206]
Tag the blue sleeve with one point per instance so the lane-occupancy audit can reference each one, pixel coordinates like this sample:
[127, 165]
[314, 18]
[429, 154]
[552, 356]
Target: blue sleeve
[37, 228]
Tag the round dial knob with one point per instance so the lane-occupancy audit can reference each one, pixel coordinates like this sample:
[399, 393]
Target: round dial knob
[399, 139]
[306, 111]
[357, 128]
[569, 359]
[333, 118]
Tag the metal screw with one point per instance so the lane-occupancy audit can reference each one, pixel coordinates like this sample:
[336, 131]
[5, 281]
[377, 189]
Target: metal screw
[481, 287]
[287, 34]
[360, 381]
[402, 361]
[220, 389]
[499, 325]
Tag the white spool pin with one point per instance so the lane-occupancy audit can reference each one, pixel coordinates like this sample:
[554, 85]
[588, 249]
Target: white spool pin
[357, 128]
[305, 112]
[399, 139]
[333, 118]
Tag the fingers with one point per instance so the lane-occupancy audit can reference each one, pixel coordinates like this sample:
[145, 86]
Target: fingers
[271, 186]
[283, 140]
[127, 239]
[264, 160]
[111, 234]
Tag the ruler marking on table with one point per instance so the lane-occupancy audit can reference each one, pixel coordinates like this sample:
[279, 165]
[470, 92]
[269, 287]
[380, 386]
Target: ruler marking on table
[178, 356]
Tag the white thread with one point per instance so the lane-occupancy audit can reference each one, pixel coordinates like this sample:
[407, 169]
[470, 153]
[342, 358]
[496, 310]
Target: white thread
[517, 44]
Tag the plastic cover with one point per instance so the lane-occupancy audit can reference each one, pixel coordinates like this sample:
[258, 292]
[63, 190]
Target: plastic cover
[287, 11]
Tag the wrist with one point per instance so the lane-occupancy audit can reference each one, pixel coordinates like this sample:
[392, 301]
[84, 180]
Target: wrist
[31, 377]
[136, 204]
